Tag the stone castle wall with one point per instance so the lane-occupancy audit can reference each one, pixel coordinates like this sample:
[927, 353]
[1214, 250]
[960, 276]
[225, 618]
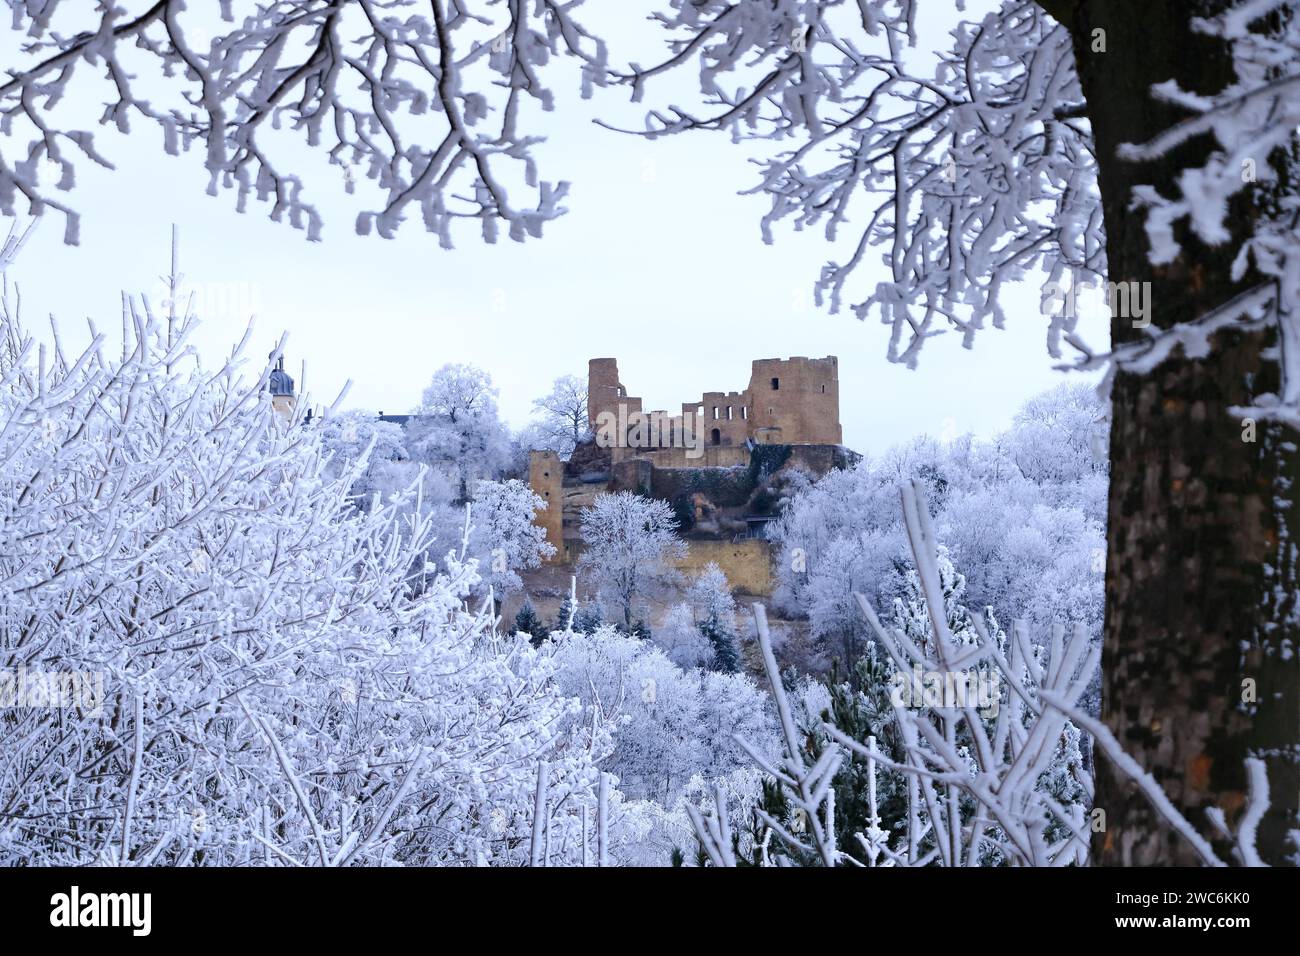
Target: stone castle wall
[546, 479]
[747, 564]
[705, 461]
[794, 401]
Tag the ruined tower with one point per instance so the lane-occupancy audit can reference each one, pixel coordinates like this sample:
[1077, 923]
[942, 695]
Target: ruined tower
[546, 479]
[795, 401]
[605, 393]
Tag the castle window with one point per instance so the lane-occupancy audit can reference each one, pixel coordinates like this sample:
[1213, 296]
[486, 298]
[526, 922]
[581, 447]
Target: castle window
[776, 384]
[728, 413]
[715, 413]
[717, 436]
[546, 474]
[823, 389]
[744, 412]
[700, 410]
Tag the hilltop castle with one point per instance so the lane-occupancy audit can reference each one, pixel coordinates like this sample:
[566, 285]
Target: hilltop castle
[792, 401]
[718, 463]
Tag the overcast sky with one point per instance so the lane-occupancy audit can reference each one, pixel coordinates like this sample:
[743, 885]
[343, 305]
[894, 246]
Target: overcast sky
[659, 262]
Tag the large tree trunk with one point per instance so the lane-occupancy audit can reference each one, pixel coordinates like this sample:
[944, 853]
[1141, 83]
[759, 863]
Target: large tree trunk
[1201, 576]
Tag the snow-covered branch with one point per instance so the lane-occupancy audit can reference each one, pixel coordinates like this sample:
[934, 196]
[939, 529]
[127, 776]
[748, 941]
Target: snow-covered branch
[223, 658]
[429, 101]
[968, 168]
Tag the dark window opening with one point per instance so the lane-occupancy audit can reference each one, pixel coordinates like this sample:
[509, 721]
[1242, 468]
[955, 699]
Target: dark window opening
[776, 384]
[717, 437]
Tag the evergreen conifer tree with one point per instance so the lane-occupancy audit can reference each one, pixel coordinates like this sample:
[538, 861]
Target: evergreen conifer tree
[528, 622]
[588, 618]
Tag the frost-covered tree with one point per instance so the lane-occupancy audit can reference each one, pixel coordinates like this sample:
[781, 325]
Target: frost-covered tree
[981, 766]
[852, 564]
[422, 107]
[284, 679]
[850, 504]
[528, 622]
[561, 415]
[1059, 436]
[504, 538]
[1030, 548]
[457, 429]
[460, 394]
[681, 640]
[629, 544]
[669, 724]
[1028, 558]
[347, 436]
[711, 596]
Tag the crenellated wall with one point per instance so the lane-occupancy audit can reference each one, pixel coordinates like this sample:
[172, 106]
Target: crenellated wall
[794, 401]
[705, 462]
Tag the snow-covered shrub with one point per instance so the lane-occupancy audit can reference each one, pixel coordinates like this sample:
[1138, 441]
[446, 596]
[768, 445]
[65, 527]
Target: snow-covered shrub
[286, 680]
[983, 772]
[668, 724]
[1023, 516]
[681, 640]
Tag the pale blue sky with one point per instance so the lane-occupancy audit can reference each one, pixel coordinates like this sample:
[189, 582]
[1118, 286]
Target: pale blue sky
[659, 263]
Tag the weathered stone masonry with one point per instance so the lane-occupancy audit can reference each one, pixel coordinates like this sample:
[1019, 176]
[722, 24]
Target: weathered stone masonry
[715, 462]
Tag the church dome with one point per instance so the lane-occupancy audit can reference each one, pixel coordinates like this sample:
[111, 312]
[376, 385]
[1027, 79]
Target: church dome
[281, 382]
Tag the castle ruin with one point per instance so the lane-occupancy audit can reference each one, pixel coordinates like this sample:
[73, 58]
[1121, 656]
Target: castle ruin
[718, 463]
[793, 401]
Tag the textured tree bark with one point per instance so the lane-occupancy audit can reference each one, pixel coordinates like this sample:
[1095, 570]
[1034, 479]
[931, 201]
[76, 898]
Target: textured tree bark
[1200, 577]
